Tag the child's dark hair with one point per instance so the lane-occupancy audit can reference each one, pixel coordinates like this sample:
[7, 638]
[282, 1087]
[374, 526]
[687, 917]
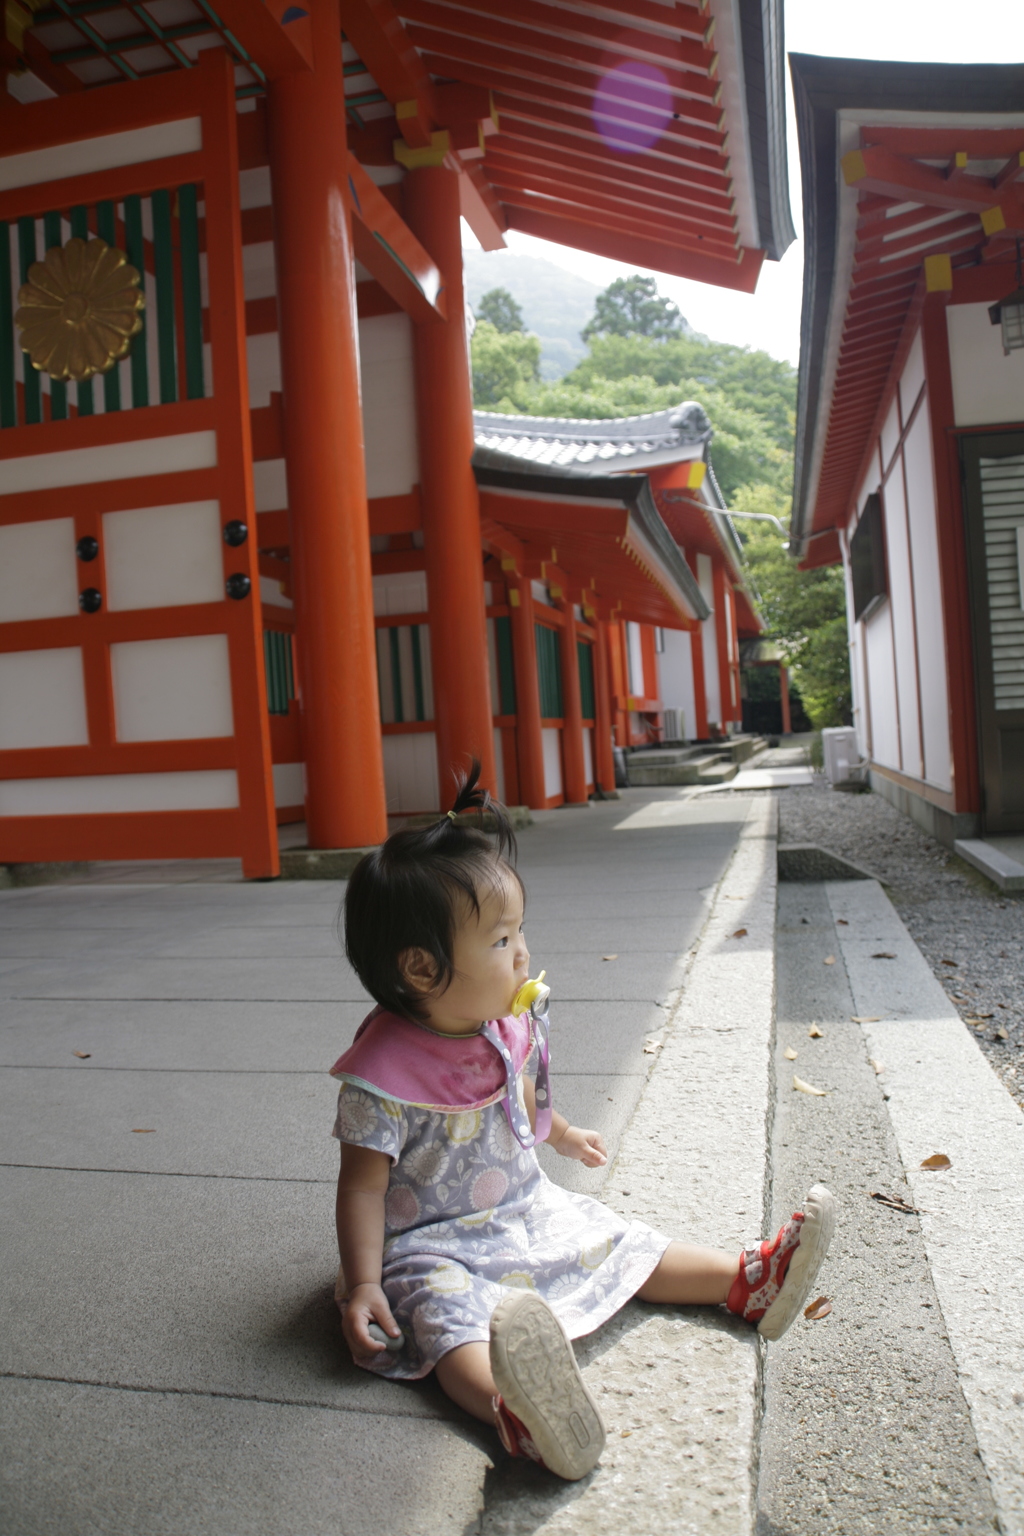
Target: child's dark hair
[407, 893]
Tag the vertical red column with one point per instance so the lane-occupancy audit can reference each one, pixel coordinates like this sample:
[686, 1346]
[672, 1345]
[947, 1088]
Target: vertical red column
[604, 759]
[787, 722]
[573, 765]
[529, 742]
[323, 435]
[451, 505]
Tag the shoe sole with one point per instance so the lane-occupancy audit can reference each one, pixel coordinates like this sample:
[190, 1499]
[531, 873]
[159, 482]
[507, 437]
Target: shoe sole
[815, 1236]
[535, 1371]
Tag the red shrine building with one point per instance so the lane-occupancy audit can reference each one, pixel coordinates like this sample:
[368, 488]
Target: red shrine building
[259, 562]
[910, 433]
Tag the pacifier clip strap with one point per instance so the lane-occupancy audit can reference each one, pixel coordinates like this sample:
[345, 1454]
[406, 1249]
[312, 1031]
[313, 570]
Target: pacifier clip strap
[518, 1119]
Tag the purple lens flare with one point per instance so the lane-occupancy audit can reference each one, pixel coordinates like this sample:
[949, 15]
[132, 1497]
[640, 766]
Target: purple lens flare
[632, 106]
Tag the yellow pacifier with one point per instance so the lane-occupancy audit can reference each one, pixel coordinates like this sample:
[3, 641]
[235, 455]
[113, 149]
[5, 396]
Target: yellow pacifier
[529, 994]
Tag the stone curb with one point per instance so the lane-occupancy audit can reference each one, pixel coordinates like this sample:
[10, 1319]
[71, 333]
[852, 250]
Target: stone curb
[681, 1391]
[944, 1097]
[810, 862]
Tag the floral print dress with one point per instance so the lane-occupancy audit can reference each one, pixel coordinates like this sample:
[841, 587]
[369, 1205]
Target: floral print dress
[469, 1215]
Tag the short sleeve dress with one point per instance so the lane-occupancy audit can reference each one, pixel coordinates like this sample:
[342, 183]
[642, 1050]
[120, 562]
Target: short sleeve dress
[470, 1215]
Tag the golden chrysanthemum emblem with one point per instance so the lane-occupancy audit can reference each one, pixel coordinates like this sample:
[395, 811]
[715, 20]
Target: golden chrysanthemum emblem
[79, 309]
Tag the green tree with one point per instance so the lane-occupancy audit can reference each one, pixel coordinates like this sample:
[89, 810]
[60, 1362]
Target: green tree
[632, 306]
[505, 367]
[500, 309]
[805, 611]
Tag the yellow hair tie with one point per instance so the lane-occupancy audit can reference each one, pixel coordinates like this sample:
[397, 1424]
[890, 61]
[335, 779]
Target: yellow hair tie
[451, 816]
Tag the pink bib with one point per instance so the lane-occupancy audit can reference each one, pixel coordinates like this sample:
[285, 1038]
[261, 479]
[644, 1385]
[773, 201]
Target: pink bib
[399, 1060]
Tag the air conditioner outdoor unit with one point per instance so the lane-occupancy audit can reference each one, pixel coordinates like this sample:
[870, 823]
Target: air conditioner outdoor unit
[673, 725]
[839, 749]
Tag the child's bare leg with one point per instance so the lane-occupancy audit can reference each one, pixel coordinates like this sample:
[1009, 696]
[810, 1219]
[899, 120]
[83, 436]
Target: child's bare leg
[465, 1375]
[691, 1276]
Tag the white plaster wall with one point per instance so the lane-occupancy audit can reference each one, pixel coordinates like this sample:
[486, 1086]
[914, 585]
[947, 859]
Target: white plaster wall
[42, 699]
[588, 756]
[858, 678]
[264, 359]
[901, 605]
[39, 573]
[551, 742]
[987, 387]
[270, 485]
[289, 784]
[499, 764]
[913, 376]
[116, 793]
[890, 433]
[677, 690]
[410, 772]
[635, 660]
[389, 405]
[931, 635]
[176, 689]
[877, 633]
[400, 592]
[163, 557]
[712, 690]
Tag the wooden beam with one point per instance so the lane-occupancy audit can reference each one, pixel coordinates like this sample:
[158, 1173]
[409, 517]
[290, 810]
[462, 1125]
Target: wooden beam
[375, 30]
[388, 249]
[714, 247]
[683, 187]
[526, 125]
[879, 170]
[684, 201]
[277, 50]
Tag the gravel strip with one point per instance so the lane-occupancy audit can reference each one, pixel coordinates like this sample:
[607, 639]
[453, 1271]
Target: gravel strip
[971, 933]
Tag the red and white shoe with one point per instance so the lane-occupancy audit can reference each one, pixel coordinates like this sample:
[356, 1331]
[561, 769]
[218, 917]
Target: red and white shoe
[543, 1409]
[775, 1277]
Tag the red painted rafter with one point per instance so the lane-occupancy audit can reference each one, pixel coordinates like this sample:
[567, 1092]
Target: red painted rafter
[690, 215]
[880, 170]
[609, 175]
[524, 120]
[559, 85]
[615, 219]
[556, 26]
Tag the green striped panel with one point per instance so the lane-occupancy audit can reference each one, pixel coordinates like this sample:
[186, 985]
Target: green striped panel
[80, 231]
[33, 383]
[8, 392]
[417, 670]
[191, 297]
[506, 669]
[106, 228]
[53, 235]
[163, 260]
[137, 256]
[549, 672]
[585, 660]
[277, 657]
[396, 674]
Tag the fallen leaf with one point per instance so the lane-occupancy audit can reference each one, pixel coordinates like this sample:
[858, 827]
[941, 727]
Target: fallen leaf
[841, 922]
[866, 1018]
[879, 1066]
[830, 959]
[954, 963]
[937, 1160]
[884, 954]
[740, 933]
[894, 1203]
[815, 1033]
[143, 1130]
[609, 957]
[1001, 1034]
[82, 1055]
[802, 1087]
[652, 1047]
[789, 1053]
[820, 1308]
[626, 1433]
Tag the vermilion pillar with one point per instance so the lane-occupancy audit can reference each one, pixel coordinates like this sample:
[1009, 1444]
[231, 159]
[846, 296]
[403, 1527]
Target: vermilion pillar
[323, 436]
[604, 764]
[574, 769]
[787, 723]
[529, 742]
[451, 506]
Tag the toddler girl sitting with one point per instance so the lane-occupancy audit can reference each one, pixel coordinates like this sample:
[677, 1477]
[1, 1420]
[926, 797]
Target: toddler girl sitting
[458, 1254]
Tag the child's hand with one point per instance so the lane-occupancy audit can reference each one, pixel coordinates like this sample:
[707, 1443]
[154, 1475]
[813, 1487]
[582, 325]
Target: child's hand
[367, 1304]
[587, 1147]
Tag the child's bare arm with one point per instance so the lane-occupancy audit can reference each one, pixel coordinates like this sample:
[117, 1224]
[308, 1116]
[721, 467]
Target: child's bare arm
[362, 1185]
[586, 1147]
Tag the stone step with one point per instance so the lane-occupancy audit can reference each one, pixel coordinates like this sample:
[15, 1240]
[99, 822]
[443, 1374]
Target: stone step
[645, 769]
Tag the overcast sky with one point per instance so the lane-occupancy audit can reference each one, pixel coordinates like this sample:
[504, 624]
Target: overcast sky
[933, 30]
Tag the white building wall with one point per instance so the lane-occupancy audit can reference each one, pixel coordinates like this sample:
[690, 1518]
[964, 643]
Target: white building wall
[389, 405]
[901, 610]
[676, 668]
[709, 635]
[931, 629]
[987, 387]
[881, 677]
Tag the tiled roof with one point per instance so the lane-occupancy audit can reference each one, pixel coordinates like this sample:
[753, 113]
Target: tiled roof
[568, 446]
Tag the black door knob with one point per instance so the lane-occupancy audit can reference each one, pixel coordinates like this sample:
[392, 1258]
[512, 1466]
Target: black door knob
[235, 532]
[90, 600]
[87, 548]
[238, 585]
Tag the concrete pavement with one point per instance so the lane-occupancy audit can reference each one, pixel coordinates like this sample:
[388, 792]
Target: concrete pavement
[172, 1358]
